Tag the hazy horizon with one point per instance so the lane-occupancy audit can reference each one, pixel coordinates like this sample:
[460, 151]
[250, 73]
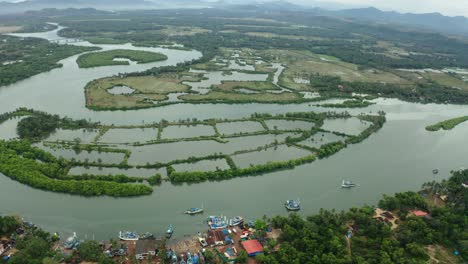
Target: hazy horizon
[455, 8]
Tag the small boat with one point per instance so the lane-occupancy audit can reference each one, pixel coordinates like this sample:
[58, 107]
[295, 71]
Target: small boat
[169, 231]
[194, 210]
[347, 184]
[203, 242]
[435, 171]
[217, 222]
[72, 242]
[189, 258]
[238, 220]
[293, 205]
[146, 235]
[174, 258]
[128, 236]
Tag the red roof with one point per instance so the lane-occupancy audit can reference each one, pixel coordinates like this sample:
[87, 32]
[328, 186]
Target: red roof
[419, 213]
[252, 246]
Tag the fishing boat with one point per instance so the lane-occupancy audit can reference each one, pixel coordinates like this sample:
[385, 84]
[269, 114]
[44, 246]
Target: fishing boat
[217, 222]
[174, 258]
[203, 241]
[293, 205]
[128, 236]
[435, 171]
[194, 210]
[347, 184]
[146, 235]
[72, 242]
[169, 231]
[238, 220]
[189, 258]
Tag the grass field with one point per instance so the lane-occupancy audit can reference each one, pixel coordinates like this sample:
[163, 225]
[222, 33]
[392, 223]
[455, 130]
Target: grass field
[446, 79]
[147, 89]
[106, 58]
[240, 97]
[256, 86]
[304, 64]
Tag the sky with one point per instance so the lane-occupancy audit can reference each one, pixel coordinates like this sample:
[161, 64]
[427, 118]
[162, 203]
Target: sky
[446, 7]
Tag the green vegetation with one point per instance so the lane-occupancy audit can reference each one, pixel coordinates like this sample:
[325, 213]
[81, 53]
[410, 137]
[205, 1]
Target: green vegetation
[21, 58]
[107, 58]
[146, 90]
[349, 104]
[19, 161]
[447, 124]
[321, 238]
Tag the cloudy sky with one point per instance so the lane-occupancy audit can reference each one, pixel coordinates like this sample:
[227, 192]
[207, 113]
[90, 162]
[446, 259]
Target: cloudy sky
[446, 7]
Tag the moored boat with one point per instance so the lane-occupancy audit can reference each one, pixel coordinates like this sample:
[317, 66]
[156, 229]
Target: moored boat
[203, 241]
[169, 231]
[194, 210]
[293, 205]
[347, 184]
[217, 222]
[146, 235]
[238, 220]
[128, 236]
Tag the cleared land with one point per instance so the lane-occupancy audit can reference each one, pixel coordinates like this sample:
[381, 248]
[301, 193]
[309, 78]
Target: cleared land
[147, 89]
[239, 97]
[107, 58]
[255, 86]
[9, 29]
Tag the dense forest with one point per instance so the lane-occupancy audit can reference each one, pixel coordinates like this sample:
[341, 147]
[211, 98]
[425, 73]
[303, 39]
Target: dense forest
[21, 58]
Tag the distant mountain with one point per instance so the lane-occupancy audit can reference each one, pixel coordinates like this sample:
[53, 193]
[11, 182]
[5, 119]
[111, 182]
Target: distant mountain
[435, 21]
[19, 7]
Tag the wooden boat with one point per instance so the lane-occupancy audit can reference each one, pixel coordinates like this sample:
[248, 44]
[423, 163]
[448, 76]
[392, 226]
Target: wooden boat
[194, 210]
[169, 231]
[347, 184]
[128, 236]
[293, 205]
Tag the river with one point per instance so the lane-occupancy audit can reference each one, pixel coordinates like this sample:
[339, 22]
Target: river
[400, 157]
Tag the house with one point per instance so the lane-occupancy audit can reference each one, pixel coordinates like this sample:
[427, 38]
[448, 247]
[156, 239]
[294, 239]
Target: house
[146, 248]
[465, 185]
[419, 213]
[253, 247]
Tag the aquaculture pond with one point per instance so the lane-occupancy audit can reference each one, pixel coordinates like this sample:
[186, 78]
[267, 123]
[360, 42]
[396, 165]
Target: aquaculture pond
[132, 172]
[230, 128]
[167, 152]
[350, 126]
[81, 135]
[84, 155]
[289, 125]
[399, 157]
[204, 165]
[129, 135]
[279, 153]
[320, 139]
[183, 131]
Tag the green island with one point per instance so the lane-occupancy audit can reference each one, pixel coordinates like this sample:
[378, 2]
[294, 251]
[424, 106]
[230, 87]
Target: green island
[447, 124]
[408, 227]
[349, 104]
[28, 160]
[21, 58]
[111, 57]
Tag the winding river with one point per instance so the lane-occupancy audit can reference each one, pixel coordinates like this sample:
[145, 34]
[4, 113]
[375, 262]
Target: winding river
[399, 157]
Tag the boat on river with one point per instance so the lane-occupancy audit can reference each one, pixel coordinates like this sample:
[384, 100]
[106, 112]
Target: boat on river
[194, 210]
[347, 184]
[293, 205]
[146, 235]
[128, 236]
[217, 222]
[238, 220]
[169, 231]
[435, 171]
[72, 242]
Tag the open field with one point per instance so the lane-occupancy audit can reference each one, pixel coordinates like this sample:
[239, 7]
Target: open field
[146, 89]
[9, 29]
[255, 86]
[108, 58]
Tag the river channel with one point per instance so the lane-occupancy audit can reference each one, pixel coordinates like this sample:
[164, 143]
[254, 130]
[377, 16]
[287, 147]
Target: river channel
[400, 157]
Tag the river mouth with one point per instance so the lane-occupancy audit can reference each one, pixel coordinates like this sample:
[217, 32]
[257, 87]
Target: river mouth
[400, 157]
